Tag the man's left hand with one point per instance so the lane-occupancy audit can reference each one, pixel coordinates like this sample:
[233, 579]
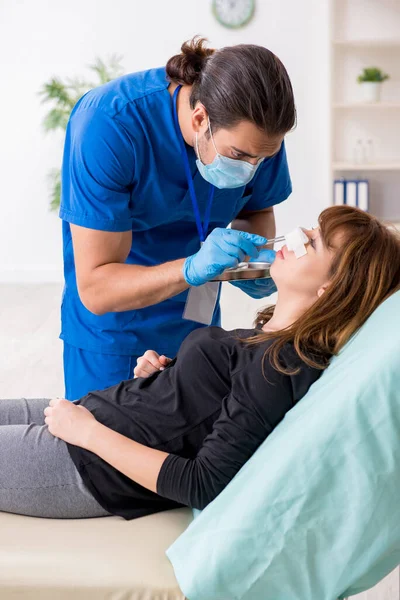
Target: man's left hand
[258, 288]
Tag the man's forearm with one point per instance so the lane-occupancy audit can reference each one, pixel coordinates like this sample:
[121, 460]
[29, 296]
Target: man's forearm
[260, 222]
[117, 287]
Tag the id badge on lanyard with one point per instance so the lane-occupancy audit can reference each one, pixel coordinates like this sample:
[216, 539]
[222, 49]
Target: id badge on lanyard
[201, 300]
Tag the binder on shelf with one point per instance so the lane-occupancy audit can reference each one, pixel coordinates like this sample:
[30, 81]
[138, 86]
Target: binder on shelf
[363, 195]
[338, 192]
[352, 192]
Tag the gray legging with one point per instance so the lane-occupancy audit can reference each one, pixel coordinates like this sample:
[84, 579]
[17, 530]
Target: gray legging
[37, 475]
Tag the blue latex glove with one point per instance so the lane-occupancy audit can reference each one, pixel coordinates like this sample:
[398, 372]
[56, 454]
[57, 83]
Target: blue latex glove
[223, 248]
[258, 288]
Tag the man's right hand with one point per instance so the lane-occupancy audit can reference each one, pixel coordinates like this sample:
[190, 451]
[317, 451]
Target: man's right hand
[223, 249]
[150, 363]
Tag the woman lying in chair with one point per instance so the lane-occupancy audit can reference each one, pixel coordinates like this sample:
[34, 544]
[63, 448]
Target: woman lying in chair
[177, 435]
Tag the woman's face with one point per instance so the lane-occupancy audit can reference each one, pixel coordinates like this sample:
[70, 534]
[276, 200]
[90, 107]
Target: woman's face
[307, 276]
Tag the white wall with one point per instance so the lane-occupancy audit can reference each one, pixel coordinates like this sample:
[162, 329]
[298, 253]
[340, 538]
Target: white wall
[44, 38]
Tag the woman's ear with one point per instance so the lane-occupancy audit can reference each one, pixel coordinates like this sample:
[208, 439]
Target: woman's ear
[322, 289]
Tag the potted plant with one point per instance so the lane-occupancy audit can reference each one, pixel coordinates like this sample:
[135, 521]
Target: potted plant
[371, 79]
[63, 95]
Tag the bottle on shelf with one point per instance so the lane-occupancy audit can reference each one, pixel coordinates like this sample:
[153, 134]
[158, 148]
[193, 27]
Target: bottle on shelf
[359, 152]
[369, 151]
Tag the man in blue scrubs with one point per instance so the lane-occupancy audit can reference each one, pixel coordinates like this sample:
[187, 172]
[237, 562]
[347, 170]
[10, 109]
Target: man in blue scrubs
[154, 164]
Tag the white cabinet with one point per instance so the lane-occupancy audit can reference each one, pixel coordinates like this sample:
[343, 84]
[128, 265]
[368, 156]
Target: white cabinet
[366, 34]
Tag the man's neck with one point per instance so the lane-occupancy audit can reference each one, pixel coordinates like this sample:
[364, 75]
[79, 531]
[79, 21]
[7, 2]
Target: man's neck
[184, 111]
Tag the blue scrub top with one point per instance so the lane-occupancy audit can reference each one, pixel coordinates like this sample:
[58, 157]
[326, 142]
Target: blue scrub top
[123, 170]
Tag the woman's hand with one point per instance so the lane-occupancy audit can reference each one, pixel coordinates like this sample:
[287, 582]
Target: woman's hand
[69, 422]
[150, 363]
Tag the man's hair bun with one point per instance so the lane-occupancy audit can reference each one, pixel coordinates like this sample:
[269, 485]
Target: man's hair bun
[185, 68]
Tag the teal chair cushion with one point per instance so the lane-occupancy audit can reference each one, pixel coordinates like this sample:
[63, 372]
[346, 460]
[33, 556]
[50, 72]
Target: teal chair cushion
[315, 513]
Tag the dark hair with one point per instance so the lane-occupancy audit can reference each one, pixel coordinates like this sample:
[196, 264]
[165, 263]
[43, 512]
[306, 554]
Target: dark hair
[237, 83]
[364, 272]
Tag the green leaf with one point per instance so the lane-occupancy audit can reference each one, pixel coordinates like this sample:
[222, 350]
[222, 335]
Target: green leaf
[63, 95]
[372, 74]
[54, 177]
[107, 70]
[56, 118]
[56, 90]
[79, 87]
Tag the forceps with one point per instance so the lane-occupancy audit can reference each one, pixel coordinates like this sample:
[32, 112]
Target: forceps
[280, 238]
[244, 265]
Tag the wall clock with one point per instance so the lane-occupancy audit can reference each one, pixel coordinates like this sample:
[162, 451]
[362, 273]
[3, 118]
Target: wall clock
[233, 13]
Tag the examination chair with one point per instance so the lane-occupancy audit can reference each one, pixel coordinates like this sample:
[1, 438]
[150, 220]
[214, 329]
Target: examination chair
[313, 515]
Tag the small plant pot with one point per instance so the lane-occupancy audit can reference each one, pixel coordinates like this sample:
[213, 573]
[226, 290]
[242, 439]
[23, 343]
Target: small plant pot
[371, 91]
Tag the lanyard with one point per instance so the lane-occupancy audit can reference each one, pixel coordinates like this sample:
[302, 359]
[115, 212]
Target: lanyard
[201, 227]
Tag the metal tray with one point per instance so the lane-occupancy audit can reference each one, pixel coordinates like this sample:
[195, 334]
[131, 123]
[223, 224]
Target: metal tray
[254, 270]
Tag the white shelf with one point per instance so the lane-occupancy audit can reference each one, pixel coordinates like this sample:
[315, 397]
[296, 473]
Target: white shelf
[348, 166]
[361, 38]
[373, 43]
[367, 105]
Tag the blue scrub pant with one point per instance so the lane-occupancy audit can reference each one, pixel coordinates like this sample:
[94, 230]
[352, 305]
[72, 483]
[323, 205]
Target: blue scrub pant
[86, 371]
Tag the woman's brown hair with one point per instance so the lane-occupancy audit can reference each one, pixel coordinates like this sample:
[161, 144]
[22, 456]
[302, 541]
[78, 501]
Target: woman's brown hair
[237, 83]
[365, 271]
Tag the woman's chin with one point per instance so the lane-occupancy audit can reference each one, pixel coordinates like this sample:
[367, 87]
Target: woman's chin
[274, 268]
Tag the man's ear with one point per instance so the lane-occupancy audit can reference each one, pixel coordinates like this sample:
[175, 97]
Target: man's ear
[199, 117]
[323, 289]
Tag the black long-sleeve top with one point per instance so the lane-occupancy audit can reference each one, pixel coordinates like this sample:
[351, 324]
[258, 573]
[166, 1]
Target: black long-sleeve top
[210, 409]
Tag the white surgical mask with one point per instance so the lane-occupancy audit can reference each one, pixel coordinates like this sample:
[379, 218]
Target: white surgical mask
[224, 172]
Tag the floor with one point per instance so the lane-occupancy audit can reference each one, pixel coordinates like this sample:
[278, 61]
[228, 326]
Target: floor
[32, 359]
[31, 351]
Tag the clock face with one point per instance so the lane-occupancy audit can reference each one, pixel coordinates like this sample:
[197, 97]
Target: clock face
[233, 13]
